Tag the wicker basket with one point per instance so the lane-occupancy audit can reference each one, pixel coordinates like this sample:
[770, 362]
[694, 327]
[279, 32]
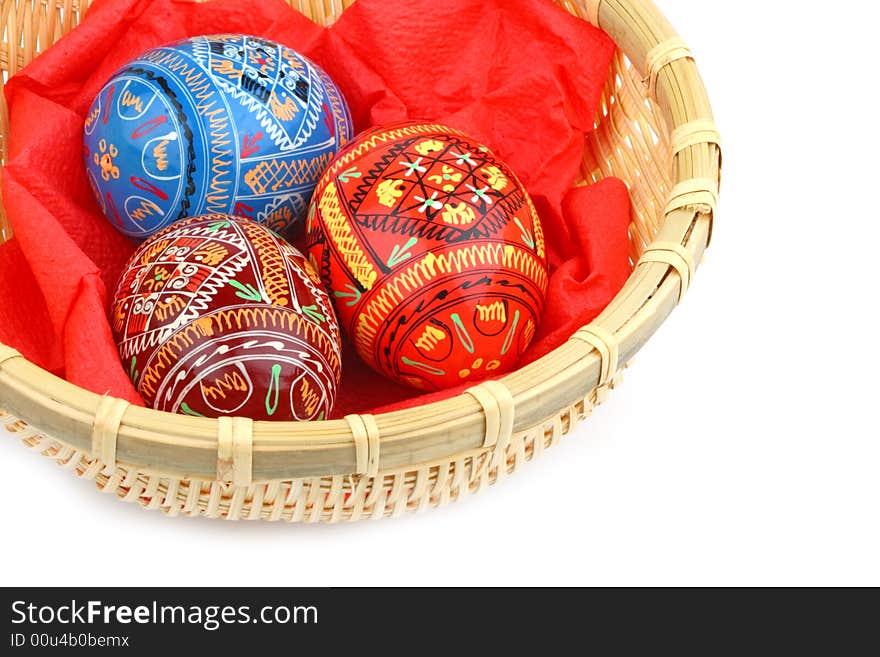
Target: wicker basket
[655, 132]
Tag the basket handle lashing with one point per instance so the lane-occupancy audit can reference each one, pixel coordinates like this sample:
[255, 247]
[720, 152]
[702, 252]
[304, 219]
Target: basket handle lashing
[662, 55]
[365, 433]
[235, 450]
[701, 194]
[694, 133]
[105, 429]
[499, 410]
[608, 347]
[675, 256]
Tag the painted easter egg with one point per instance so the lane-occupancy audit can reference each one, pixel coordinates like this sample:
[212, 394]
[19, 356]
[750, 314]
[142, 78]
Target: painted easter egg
[228, 124]
[434, 254]
[218, 316]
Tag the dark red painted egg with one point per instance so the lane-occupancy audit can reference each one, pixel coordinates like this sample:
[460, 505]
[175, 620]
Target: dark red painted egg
[218, 316]
[433, 252]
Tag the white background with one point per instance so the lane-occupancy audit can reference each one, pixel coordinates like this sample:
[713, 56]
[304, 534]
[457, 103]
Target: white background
[743, 447]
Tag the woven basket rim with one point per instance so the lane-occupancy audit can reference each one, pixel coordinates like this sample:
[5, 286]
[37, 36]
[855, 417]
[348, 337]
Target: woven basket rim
[155, 441]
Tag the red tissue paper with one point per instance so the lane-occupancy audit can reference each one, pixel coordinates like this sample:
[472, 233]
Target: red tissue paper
[522, 76]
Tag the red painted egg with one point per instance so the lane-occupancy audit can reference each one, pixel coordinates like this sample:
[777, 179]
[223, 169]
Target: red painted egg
[433, 252]
[218, 316]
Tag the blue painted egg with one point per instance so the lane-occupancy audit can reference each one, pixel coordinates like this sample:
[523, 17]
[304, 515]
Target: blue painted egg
[227, 123]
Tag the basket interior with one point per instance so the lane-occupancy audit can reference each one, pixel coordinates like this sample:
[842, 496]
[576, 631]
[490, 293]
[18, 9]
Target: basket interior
[631, 142]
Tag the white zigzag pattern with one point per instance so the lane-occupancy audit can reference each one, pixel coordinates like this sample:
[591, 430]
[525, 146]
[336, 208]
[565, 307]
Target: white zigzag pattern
[316, 102]
[201, 53]
[267, 122]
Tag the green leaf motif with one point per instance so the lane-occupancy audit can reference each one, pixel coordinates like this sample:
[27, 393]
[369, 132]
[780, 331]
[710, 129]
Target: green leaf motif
[133, 373]
[526, 235]
[400, 254]
[272, 393]
[217, 225]
[430, 369]
[508, 340]
[351, 172]
[354, 294]
[462, 334]
[188, 411]
[246, 291]
[314, 314]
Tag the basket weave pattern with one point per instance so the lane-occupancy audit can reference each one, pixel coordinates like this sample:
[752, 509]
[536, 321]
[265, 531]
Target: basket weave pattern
[655, 131]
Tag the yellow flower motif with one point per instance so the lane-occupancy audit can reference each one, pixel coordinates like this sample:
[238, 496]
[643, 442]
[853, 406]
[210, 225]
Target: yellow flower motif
[494, 312]
[211, 254]
[449, 176]
[430, 338]
[460, 215]
[389, 191]
[495, 177]
[429, 146]
[225, 67]
[105, 160]
[284, 111]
